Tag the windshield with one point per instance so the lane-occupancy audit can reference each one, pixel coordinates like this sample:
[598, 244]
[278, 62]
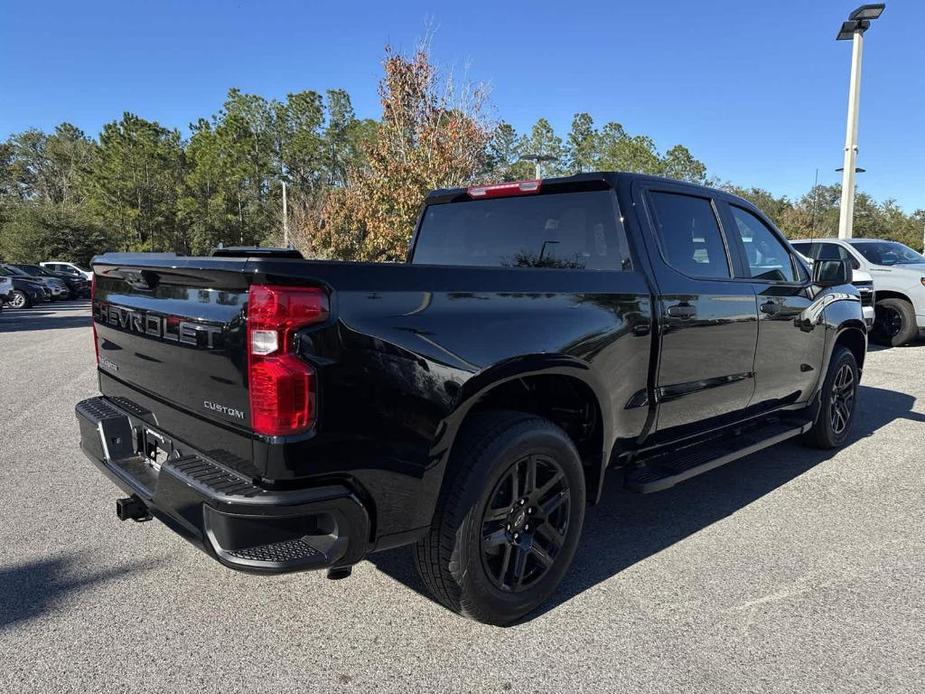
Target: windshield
[888, 253]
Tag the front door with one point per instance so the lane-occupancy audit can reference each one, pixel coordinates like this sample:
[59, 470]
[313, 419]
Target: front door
[708, 319]
[790, 350]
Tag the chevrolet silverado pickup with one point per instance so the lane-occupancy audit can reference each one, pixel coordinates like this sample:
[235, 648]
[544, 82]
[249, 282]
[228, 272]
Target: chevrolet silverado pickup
[285, 414]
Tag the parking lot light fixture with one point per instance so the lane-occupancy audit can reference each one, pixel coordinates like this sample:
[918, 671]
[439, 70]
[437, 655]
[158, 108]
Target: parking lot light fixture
[858, 22]
[538, 160]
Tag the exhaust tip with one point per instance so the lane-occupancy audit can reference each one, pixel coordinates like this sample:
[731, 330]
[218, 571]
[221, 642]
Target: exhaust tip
[132, 507]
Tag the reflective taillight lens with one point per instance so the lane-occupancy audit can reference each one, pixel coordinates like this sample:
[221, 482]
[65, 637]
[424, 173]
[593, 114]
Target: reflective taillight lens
[282, 386]
[96, 344]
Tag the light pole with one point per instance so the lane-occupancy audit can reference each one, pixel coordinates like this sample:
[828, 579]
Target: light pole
[285, 217]
[858, 22]
[538, 160]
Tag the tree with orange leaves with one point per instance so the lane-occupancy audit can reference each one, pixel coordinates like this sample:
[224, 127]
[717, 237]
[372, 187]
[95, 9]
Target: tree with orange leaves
[430, 136]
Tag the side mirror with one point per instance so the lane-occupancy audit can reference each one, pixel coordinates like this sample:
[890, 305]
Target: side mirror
[831, 273]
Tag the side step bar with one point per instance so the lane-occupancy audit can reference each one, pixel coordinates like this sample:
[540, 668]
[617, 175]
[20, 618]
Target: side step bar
[667, 469]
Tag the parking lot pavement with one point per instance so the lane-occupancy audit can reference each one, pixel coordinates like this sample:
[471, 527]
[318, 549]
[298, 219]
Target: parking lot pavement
[791, 570]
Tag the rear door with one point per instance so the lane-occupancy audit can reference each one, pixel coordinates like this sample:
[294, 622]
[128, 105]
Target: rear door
[709, 322]
[789, 352]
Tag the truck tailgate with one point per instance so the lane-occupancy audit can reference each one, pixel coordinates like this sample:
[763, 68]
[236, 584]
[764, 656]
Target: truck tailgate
[176, 330]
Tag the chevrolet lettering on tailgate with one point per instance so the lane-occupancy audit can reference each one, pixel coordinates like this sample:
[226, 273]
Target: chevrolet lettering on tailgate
[159, 326]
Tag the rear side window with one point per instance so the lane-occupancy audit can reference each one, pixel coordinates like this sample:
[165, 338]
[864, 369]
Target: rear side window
[555, 231]
[689, 234]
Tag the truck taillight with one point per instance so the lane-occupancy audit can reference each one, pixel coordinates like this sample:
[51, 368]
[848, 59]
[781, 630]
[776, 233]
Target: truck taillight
[96, 344]
[282, 386]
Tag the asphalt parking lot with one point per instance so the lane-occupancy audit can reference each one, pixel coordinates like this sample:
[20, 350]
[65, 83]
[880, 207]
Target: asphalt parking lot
[791, 570]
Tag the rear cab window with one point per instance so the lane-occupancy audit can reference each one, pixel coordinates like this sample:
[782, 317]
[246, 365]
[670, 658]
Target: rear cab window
[554, 231]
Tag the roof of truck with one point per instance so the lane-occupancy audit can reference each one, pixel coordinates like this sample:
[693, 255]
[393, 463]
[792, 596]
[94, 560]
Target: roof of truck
[585, 181]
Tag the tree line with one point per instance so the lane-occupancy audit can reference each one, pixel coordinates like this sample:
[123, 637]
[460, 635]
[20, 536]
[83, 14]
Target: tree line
[355, 185]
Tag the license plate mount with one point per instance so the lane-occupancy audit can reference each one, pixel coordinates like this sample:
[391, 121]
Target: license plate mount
[156, 448]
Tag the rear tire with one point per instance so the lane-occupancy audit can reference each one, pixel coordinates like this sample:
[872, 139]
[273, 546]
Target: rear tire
[894, 323]
[508, 520]
[839, 402]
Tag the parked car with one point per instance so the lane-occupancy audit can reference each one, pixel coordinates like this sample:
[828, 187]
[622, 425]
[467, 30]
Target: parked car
[26, 292]
[865, 286]
[899, 281]
[6, 290]
[286, 414]
[57, 289]
[76, 284]
[60, 289]
[63, 266]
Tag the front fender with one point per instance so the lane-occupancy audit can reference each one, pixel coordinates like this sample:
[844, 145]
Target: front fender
[841, 314]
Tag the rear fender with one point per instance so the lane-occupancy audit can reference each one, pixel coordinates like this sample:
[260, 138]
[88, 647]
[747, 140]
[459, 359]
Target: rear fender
[483, 383]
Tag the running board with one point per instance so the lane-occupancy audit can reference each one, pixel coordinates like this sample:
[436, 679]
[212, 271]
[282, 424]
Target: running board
[668, 469]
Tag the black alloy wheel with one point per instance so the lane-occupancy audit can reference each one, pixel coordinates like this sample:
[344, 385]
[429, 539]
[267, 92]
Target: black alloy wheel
[507, 524]
[844, 388]
[888, 322]
[837, 403]
[895, 322]
[525, 523]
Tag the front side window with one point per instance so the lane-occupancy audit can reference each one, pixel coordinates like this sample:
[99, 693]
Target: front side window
[689, 234]
[768, 258]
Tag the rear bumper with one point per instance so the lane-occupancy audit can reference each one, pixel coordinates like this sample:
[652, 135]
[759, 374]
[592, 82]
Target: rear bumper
[242, 525]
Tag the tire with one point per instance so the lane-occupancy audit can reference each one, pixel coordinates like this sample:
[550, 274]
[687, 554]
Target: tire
[894, 323]
[19, 299]
[839, 402]
[482, 557]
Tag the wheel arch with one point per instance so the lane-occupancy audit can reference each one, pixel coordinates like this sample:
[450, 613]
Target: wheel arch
[854, 337]
[881, 294]
[557, 387]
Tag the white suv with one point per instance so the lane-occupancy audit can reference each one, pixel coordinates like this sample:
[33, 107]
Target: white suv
[899, 282]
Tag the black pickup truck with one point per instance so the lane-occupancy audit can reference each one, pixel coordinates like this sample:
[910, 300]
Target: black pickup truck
[285, 414]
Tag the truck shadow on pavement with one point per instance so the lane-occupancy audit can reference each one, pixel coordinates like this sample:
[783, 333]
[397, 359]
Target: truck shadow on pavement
[29, 590]
[625, 528]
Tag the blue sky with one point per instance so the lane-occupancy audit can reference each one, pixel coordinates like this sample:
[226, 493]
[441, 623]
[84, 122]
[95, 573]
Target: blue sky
[757, 90]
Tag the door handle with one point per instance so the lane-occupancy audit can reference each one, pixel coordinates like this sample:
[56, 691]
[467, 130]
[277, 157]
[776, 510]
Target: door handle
[770, 307]
[682, 311]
